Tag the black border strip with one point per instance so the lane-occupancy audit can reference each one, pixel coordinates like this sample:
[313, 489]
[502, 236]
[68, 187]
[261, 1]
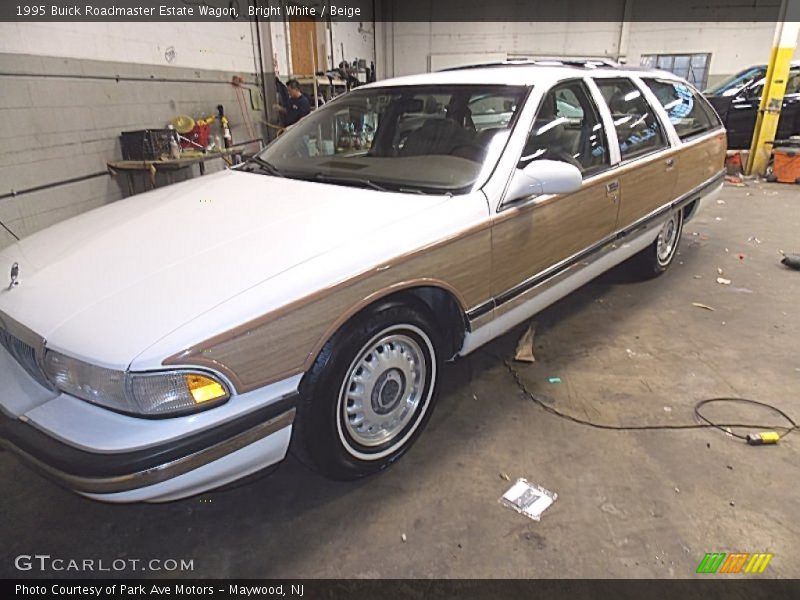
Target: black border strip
[523, 287]
[699, 587]
[430, 11]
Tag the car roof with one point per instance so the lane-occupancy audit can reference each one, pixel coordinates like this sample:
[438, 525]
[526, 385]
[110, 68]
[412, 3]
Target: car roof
[517, 74]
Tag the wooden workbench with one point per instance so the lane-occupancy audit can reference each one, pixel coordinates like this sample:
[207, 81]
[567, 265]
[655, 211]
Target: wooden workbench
[169, 167]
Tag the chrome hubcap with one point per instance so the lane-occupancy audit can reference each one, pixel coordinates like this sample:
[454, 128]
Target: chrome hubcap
[383, 389]
[668, 239]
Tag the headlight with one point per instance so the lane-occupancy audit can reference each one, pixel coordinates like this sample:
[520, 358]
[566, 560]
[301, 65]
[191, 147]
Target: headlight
[161, 393]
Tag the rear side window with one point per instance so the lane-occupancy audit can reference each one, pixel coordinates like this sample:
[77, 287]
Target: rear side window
[638, 129]
[688, 113]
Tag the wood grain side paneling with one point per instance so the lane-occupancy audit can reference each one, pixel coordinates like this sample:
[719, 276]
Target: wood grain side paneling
[531, 238]
[646, 185]
[474, 265]
[649, 184]
[285, 342]
[699, 161]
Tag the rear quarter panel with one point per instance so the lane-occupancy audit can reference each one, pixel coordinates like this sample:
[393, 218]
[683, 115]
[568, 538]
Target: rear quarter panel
[699, 160]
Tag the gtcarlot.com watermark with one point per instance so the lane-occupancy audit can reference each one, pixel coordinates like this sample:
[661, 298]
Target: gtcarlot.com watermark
[44, 563]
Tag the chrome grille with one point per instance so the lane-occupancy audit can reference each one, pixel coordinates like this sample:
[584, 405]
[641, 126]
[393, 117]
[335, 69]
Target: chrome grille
[25, 355]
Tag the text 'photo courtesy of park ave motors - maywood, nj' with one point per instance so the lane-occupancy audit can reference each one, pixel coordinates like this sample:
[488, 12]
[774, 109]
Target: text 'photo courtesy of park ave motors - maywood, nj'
[178, 589]
[184, 10]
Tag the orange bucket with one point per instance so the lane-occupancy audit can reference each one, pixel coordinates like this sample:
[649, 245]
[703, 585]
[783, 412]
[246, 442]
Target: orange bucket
[786, 165]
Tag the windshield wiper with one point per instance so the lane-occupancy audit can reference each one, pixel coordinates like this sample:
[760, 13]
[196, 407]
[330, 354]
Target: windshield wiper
[340, 179]
[421, 192]
[267, 166]
[363, 182]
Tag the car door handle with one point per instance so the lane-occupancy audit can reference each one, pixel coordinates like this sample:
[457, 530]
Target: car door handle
[612, 190]
[670, 162]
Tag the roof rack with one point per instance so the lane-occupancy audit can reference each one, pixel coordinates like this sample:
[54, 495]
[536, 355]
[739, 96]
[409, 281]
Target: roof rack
[586, 62]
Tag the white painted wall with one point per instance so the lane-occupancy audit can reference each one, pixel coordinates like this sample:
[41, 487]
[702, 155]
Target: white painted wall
[280, 47]
[224, 46]
[407, 48]
[733, 46]
[357, 38]
[416, 47]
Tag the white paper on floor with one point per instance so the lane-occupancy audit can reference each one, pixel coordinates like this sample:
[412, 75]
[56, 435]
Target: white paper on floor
[528, 499]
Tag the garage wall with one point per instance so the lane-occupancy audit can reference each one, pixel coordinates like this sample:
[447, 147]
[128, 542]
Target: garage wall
[358, 39]
[280, 48]
[733, 46]
[407, 48]
[419, 47]
[212, 46]
[67, 90]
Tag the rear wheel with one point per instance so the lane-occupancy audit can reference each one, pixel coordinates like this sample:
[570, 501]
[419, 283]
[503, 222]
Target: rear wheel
[370, 392]
[658, 256]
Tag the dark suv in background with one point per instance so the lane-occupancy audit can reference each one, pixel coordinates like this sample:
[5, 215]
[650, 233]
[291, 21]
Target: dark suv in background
[737, 99]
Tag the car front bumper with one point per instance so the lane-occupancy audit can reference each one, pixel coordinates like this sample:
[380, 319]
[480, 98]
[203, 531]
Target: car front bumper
[118, 458]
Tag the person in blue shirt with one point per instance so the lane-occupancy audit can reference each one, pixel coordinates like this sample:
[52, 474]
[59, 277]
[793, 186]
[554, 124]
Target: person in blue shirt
[297, 106]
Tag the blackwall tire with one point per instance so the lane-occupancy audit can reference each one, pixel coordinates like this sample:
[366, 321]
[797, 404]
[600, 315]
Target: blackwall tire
[370, 392]
[658, 256]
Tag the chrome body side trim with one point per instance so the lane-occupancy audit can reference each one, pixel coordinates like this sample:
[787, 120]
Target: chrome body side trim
[552, 289]
[160, 473]
[495, 317]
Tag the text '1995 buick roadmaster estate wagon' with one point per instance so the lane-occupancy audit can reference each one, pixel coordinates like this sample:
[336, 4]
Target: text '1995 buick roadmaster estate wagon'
[184, 338]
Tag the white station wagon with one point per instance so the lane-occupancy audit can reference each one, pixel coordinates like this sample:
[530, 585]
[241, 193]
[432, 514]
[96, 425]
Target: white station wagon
[187, 337]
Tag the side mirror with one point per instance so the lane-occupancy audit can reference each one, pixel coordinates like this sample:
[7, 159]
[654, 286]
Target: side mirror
[544, 177]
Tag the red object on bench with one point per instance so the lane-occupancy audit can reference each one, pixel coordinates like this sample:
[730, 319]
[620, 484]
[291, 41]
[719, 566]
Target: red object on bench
[199, 135]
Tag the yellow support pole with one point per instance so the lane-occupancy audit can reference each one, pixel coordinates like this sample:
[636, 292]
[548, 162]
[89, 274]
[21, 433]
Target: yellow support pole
[769, 112]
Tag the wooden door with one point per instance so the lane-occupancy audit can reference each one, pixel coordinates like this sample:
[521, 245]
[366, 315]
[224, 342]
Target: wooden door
[303, 40]
[530, 239]
[648, 170]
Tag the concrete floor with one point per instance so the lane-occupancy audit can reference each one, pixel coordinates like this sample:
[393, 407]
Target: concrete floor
[631, 504]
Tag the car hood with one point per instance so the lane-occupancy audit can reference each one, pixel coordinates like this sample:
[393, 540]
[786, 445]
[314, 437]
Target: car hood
[107, 284]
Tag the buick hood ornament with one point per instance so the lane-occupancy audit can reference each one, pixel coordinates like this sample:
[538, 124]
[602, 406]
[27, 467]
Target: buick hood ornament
[14, 276]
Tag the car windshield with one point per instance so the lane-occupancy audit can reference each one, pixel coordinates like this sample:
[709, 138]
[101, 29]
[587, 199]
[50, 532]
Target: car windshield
[735, 83]
[431, 139]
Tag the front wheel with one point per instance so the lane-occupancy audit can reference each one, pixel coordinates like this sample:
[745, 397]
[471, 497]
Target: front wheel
[658, 256]
[370, 392]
